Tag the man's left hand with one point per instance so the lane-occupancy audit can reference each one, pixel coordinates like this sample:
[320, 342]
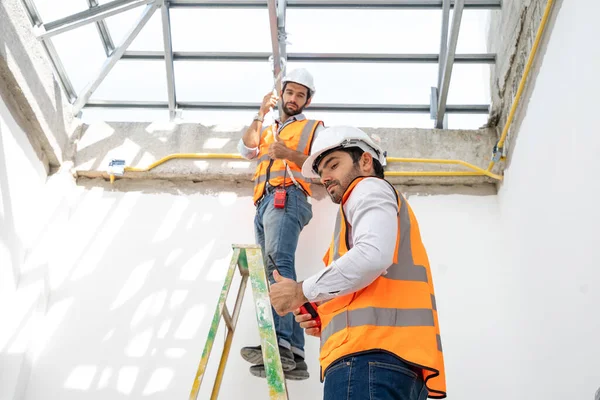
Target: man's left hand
[286, 294]
[278, 150]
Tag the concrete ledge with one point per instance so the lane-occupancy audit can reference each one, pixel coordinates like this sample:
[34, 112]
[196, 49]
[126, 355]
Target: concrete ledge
[141, 144]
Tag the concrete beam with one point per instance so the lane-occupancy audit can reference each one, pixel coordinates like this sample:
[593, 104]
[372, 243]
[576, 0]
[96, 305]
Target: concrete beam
[28, 87]
[140, 144]
[512, 32]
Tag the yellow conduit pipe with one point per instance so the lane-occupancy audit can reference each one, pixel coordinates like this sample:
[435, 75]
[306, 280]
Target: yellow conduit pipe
[532, 54]
[198, 156]
[476, 171]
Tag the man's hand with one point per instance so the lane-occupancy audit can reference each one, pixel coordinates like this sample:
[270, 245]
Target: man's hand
[269, 101]
[278, 150]
[307, 323]
[286, 294]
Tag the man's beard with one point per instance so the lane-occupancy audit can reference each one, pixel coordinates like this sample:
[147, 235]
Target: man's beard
[342, 186]
[289, 112]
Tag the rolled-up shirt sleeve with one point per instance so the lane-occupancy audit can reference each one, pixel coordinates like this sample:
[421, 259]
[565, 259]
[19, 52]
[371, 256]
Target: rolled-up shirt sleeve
[372, 212]
[248, 153]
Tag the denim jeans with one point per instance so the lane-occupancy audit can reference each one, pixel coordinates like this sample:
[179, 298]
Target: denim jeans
[373, 376]
[277, 231]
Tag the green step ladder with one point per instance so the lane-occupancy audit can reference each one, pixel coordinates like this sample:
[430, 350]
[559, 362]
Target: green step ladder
[249, 260]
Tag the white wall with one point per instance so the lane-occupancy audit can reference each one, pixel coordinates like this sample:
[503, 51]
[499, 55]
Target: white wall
[549, 207]
[23, 226]
[136, 287]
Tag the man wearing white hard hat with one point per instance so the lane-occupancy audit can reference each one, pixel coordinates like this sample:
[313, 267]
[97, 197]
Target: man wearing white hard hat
[377, 317]
[281, 197]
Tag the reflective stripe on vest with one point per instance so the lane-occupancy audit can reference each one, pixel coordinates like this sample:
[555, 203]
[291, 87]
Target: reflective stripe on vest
[373, 318]
[274, 169]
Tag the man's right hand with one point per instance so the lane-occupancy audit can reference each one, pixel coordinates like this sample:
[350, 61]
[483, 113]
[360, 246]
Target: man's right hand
[269, 101]
[307, 323]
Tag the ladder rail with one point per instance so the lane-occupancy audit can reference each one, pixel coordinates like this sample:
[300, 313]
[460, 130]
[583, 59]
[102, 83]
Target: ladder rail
[266, 326]
[249, 260]
[212, 333]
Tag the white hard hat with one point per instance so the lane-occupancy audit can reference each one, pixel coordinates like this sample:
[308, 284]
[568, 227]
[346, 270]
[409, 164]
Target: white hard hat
[338, 137]
[302, 77]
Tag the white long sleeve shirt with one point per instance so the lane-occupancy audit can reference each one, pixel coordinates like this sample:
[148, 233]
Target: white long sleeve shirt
[372, 214]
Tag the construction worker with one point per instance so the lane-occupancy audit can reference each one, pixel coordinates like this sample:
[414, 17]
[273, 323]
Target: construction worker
[379, 328]
[281, 196]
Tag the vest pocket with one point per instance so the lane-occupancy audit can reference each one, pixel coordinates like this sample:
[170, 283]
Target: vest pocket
[334, 323]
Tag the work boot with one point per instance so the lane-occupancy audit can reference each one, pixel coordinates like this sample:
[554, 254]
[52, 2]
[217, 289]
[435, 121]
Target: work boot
[253, 354]
[299, 373]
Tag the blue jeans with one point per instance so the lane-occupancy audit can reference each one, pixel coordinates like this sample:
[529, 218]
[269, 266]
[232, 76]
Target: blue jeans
[277, 232]
[373, 376]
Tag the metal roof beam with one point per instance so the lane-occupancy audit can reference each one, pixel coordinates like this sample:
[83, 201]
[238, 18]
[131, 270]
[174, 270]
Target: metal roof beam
[339, 4]
[386, 108]
[484, 58]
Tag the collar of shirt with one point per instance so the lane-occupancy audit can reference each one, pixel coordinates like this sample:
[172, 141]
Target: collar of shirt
[297, 117]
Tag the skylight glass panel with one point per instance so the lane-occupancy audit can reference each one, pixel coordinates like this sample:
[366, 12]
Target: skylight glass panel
[150, 37]
[226, 30]
[222, 81]
[473, 31]
[371, 83]
[363, 31]
[49, 11]
[134, 80]
[76, 45]
[469, 84]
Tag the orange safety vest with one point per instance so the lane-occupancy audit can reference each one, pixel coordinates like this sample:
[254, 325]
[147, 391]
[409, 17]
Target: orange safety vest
[297, 135]
[395, 313]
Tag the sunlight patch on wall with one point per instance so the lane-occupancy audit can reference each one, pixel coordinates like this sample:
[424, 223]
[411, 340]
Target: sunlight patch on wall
[81, 377]
[172, 256]
[191, 322]
[218, 269]
[105, 377]
[177, 298]
[126, 380]
[150, 307]
[138, 345]
[170, 221]
[175, 352]
[133, 284]
[216, 143]
[159, 381]
[164, 329]
[192, 268]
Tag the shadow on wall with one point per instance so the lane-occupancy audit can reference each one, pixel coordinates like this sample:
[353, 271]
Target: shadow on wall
[134, 293]
[8, 235]
[51, 108]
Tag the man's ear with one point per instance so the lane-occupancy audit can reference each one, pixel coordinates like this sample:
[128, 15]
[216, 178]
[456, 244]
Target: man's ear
[366, 162]
[308, 102]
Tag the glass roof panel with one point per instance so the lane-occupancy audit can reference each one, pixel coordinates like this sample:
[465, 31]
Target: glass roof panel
[309, 31]
[472, 37]
[50, 12]
[467, 85]
[371, 83]
[363, 31]
[150, 37]
[76, 45]
[134, 80]
[211, 30]
[222, 81]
